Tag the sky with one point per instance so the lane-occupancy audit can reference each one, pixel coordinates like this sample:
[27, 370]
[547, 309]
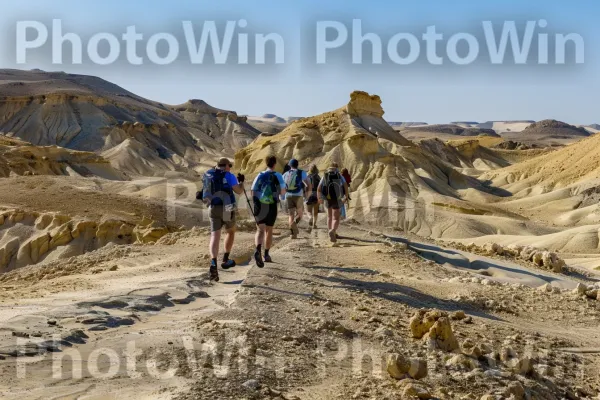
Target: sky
[300, 87]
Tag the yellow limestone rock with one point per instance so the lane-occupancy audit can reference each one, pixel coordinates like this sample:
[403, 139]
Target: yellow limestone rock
[60, 236]
[441, 337]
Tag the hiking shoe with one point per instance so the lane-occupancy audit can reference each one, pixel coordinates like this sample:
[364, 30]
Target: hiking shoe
[228, 264]
[213, 273]
[295, 230]
[268, 258]
[259, 260]
[297, 221]
[332, 236]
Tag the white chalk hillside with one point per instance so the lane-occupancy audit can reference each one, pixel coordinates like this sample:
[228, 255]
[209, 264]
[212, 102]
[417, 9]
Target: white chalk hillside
[87, 113]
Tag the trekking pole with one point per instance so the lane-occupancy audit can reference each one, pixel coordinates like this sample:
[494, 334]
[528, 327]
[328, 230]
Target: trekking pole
[250, 206]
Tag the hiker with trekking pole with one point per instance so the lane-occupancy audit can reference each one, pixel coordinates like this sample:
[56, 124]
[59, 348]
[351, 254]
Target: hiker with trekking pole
[218, 192]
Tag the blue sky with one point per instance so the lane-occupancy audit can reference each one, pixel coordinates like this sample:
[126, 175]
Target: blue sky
[418, 92]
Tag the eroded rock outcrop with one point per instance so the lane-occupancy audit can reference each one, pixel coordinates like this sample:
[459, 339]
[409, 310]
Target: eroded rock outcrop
[27, 237]
[434, 327]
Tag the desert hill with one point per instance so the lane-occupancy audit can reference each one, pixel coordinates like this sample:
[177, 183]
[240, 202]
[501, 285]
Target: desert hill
[394, 180]
[90, 114]
[576, 163]
[554, 128]
[269, 123]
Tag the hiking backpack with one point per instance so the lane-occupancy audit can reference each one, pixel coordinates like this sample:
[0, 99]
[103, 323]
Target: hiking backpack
[268, 188]
[295, 180]
[217, 188]
[333, 187]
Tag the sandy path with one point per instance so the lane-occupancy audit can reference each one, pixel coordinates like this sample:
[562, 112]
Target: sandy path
[147, 279]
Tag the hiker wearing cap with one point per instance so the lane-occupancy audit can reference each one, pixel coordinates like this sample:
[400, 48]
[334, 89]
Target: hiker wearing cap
[333, 191]
[296, 180]
[266, 189]
[218, 193]
[312, 200]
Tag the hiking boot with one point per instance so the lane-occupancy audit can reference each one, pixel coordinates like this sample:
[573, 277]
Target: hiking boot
[332, 236]
[268, 258]
[259, 260]
[228, 264]
[213, 273]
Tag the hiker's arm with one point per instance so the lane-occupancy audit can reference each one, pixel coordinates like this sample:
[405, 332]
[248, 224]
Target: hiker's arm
[309, 188]
[283, 186]
[238, 189]
[319, 188]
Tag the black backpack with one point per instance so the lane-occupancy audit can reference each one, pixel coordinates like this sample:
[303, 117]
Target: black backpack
[217, 188]
[333, 186]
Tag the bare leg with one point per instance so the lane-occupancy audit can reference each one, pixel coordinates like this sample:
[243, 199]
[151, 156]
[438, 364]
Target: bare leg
[300, 210]
[229, 238]
[260, 235]
[269, 237]
[335, 223]
[315, 214]
[329, 218]
[215, 240]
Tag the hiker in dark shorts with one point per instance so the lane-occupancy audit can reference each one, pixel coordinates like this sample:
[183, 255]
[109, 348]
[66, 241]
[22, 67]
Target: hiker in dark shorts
[266, 189]
[312, 201]
[333, 191]
[218, 193]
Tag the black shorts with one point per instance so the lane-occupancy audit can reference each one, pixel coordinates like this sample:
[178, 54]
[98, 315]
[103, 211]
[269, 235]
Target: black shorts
[265, 213]
[334, 204]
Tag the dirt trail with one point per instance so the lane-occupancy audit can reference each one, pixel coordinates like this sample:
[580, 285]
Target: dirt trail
[304, 327]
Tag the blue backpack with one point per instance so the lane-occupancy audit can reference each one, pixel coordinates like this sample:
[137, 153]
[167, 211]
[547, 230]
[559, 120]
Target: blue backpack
[268, 188]
[217, 188]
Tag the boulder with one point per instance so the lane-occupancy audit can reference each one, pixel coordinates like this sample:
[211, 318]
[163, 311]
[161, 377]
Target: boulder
[516, 390]
[441, 337]
[397, 366]
[581, 289]
[458, 315]
[552, 261]
[422, 322]
[463, 362]
[415, 391]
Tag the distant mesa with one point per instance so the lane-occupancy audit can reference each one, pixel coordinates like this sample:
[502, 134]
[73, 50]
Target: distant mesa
[595, 126]
[406, 124]
[555, 129]
[451, 129]
[464, 123]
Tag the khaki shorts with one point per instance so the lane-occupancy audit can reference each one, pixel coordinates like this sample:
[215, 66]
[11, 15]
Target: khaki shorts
[220, 218]
[295, 203]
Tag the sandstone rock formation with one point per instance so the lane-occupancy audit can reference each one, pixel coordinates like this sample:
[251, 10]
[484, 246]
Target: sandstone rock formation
[28, 237]
[434, 328]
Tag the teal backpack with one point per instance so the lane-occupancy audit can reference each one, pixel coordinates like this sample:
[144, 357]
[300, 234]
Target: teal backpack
[268, 188]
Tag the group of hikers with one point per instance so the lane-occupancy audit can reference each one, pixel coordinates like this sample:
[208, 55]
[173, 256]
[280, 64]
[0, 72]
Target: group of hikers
[271, 190]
